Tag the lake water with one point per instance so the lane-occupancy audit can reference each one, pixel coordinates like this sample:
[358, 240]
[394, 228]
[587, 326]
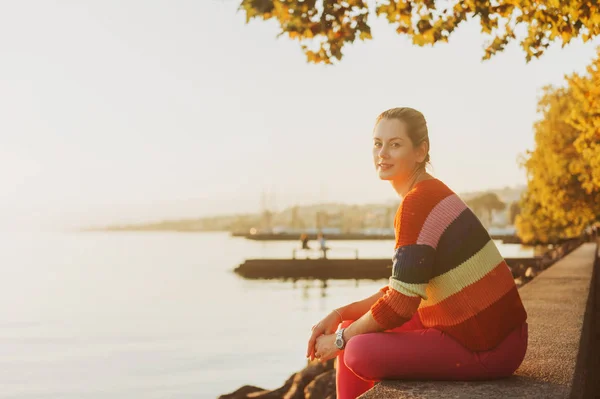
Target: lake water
[156, 315]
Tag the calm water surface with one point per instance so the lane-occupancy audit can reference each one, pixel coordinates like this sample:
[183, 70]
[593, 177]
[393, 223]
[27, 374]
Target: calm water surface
[156, 315]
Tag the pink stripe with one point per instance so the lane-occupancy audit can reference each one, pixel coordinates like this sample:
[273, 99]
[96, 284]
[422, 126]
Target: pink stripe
[439, 219]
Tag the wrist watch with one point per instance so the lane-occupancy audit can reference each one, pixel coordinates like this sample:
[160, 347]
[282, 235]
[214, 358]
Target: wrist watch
[339, 339]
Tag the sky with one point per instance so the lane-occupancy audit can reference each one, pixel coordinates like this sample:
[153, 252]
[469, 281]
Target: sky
[130, 111]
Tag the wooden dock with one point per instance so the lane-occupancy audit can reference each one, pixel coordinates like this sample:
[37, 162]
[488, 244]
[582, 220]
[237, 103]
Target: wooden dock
[352, 269]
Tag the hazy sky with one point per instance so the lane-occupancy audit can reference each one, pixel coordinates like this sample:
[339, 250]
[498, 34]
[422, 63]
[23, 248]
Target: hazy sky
[131, 110]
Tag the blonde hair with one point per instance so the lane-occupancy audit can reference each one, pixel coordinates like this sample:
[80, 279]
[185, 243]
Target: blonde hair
[415, 123]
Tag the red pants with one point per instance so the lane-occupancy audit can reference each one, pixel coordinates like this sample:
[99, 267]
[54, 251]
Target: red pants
[415, 352]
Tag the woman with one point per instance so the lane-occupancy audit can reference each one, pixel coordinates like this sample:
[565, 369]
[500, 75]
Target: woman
[451, 310]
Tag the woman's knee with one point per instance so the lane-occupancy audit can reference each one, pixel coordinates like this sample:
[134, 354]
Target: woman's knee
[357, 359]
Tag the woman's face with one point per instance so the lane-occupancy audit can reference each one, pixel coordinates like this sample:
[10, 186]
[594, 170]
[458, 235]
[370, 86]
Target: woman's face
[393, 153]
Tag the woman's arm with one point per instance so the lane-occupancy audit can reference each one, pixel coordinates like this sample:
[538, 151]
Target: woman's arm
[416, 241]
[366, 324]
[323, 347]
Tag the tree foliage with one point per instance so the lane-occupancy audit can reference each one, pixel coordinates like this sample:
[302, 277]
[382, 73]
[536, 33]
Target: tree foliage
[563, 189]
[330, 24]
[513, 211]
[484, 205]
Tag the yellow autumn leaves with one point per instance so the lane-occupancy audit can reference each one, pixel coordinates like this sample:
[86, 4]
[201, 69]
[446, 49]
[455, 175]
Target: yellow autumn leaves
[328, 25]
[563, 193]
[322, 27]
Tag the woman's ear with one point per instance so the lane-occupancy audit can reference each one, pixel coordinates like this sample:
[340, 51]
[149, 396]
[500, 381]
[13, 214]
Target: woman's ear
[422, 151]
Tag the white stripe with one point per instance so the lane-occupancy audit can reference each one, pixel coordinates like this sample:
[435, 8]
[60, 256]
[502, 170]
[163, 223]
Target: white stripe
[412, 290]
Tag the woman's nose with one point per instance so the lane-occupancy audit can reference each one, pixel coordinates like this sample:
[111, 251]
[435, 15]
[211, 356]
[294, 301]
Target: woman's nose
[382, 152]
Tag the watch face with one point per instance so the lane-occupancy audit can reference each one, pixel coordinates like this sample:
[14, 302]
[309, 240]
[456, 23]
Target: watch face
[339, 342]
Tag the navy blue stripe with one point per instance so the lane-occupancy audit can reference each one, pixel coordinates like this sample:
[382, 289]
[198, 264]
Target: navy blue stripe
[413, 263]
[463, 238]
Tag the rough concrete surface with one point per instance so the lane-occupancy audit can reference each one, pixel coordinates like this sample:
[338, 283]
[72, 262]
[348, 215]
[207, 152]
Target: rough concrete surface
[555, 302]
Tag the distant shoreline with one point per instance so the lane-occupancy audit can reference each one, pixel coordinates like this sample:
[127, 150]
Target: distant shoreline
[360, 219]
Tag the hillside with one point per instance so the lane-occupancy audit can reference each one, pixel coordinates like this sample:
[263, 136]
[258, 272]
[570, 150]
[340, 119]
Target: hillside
[347, 217]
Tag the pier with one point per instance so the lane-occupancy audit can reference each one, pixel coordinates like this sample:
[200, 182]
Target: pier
[356, 268]
[343, 269]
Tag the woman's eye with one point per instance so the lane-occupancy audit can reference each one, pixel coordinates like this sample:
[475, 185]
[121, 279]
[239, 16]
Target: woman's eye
[377, 144]
[395, 145]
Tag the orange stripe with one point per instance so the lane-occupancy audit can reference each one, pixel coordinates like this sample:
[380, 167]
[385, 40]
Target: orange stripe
[415, 208]
[470, 300]
[386, 316]
[404, 305]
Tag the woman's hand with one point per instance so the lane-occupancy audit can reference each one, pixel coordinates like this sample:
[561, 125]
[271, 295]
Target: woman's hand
[325, 348]
[326, 326]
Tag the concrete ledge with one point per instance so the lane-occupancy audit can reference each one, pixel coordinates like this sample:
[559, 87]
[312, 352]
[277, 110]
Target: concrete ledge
[556, 304]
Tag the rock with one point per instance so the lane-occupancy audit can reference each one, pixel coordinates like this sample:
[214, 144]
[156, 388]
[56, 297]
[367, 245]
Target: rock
[321, 387]
[306, 376]
[295, 385]
[243, 392]
[279, 393]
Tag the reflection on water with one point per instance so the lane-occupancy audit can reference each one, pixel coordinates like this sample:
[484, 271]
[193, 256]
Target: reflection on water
[307, 286]
[306, 289]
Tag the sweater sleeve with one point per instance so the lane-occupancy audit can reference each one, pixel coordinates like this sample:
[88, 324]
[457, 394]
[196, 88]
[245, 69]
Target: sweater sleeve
[412, 267]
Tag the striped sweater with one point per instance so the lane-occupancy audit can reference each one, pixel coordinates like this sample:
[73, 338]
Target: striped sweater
[447, 268]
